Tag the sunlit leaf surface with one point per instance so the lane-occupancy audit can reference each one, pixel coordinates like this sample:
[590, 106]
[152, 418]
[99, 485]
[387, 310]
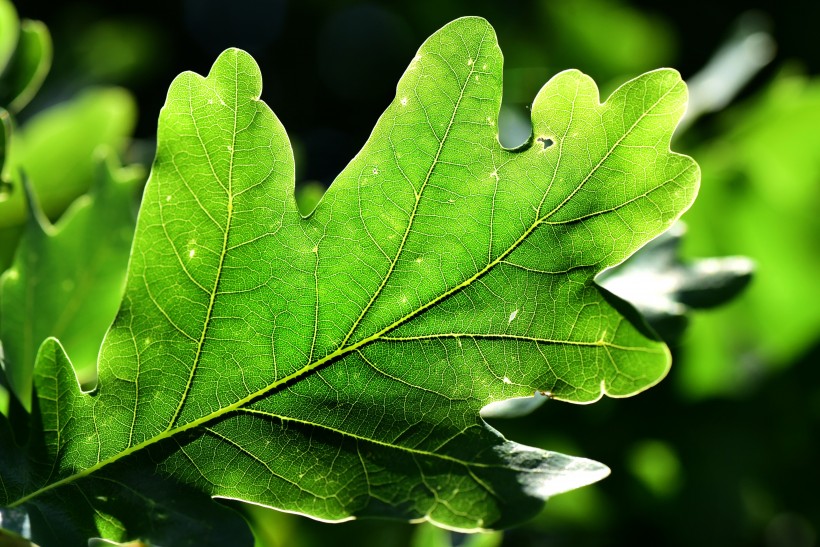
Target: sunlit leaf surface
[335, 365]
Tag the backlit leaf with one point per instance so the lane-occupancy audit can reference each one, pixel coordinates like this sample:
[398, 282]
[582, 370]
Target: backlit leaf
[67, 280]
[334, 365]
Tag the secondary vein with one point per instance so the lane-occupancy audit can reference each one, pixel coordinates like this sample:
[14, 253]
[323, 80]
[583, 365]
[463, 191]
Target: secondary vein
[418, 194]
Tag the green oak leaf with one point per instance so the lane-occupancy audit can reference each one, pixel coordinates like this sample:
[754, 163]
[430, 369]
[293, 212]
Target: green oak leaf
[335, 365]
[55, 149]
[67, 280]
[25, 59]
[665, 289]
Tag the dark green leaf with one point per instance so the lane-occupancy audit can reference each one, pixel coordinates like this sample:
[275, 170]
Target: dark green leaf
[664, 288]
[28, 67]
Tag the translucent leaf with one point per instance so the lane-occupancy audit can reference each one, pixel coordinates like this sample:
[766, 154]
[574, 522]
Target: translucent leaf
[55, 149]
[335, 365]
[67, 280]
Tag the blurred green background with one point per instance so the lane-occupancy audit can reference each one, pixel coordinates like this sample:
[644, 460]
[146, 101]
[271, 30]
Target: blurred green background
[726, 450]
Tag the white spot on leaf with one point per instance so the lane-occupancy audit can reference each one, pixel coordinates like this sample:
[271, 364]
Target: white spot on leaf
[512, 316]
[404, 101]
[506, 380]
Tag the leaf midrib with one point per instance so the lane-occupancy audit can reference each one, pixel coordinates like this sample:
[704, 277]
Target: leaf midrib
[519, 338]
[342, 351]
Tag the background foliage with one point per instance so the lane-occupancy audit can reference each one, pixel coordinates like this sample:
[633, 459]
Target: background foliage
[721, 453]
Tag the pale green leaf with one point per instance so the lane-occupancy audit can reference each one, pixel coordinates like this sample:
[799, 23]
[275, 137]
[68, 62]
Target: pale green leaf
[335, 365]
[9, 31]
[761, 201]
[11, 234]
[67, 280]
[608, 37]
[426, 535]
[25, 58]
[56, 147]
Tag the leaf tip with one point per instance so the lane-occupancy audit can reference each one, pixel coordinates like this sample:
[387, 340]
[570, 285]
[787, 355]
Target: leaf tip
[235, 61]
[38, 221]
[546, 474]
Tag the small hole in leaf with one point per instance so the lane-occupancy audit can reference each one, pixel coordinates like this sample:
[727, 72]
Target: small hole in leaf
[547, 142]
